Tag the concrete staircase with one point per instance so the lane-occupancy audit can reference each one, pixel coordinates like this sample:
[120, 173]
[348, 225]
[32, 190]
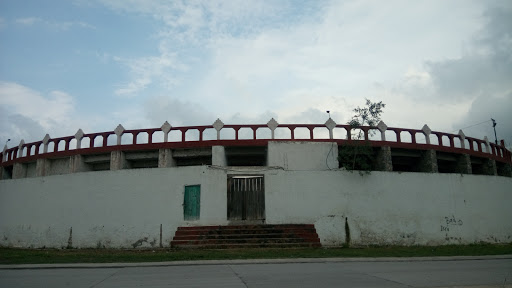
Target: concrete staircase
[246, 236]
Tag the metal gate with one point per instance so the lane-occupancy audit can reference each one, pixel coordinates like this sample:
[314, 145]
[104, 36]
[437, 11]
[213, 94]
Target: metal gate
[246, 198]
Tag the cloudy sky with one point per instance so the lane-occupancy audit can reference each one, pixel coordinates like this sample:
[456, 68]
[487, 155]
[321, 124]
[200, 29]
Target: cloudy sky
[93, 64]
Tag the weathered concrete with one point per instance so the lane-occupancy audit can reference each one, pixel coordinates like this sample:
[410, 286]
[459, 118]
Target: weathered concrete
[118, 160]
[126, 207]
[165, 158]
[192, 152]
[78, 164]
[31, 169]
[428, 162]
[504, 169]
[4, 173]
[219, 156]
[489, 167]
[106, 208]
[42, 167]
[60, 166]
[384, 159]
[19, 171]
[303, 155]
[94, 159]
[392, 208]
[141, 155]
[464, 164]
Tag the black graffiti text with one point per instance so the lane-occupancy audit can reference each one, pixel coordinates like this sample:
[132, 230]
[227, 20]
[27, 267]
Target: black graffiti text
[451, 220]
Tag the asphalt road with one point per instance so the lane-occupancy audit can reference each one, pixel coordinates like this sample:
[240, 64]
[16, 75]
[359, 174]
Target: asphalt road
[446, 273]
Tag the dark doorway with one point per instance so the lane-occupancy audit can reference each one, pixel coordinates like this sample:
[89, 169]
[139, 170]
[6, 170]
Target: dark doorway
[246, 198]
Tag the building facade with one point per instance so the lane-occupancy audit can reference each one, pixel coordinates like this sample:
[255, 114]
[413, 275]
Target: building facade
[113, 193]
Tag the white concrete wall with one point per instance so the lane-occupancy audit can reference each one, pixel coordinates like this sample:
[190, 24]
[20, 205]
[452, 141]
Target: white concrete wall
[107, 208]
[393, 208]
[125, 207]
[303, 155]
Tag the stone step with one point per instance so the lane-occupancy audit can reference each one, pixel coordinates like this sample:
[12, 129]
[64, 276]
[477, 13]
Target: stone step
[244, 231]
[242, 236]
[240, 241]
[248, 227]
[258, 235]
[253, 245]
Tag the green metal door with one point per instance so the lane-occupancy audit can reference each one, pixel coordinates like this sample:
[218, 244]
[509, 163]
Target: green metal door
[192, 202]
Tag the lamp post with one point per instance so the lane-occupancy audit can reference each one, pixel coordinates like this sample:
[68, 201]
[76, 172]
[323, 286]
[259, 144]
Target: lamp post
[494, 127]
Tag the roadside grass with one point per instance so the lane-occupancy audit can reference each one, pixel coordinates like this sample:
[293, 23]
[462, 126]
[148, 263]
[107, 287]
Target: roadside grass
[40, 256]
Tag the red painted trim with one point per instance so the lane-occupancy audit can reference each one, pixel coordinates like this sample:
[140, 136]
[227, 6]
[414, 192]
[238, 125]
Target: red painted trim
[476, 146]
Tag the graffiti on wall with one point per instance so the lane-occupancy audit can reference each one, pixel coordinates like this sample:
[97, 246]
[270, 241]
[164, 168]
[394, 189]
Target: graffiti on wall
[450, 221]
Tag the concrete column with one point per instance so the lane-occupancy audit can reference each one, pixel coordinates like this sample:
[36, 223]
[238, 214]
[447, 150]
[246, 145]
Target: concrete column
[5, 174]
[428, 162]
[165, 158]
[464, 164]
[489, 167]
[19, 170]
[505, 169]
[332, 157]
[42, 167]
[77, 164]
[384, 161]
[219, 156]
[118, 160]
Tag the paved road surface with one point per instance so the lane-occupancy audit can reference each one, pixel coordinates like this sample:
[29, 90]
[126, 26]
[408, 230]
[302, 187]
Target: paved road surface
[459, 273]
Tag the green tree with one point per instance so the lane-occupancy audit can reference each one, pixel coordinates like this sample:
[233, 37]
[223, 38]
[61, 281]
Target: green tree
[367, 116]
[358, 155]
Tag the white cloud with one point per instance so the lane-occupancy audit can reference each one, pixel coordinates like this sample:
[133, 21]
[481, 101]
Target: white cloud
[187, 24]
[28, 21]
[61, 26]
[482, 74]
[198, 21]
[27, 114]
[70, 24]
[176, 112]
[334, 61]
[145, 69]
[257, 58]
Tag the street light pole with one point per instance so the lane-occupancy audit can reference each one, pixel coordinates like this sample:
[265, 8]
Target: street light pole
[494, 126]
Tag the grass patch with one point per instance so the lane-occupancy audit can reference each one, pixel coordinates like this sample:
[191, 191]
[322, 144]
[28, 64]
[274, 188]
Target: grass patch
[39, 256]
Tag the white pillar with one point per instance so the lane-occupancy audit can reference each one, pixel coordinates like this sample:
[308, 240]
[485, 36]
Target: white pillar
[219, 156]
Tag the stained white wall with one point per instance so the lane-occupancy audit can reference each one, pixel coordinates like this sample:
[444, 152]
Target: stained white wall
[106, 208]
[126, 207]
[303, 155]
[393, 208]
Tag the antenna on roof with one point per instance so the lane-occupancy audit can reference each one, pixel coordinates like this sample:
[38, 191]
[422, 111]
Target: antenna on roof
[494, 126]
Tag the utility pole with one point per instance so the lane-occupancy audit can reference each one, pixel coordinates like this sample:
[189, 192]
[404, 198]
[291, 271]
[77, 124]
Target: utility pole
[494, 126]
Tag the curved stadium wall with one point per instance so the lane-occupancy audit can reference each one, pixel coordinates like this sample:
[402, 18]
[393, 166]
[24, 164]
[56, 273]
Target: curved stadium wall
[126, 188]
